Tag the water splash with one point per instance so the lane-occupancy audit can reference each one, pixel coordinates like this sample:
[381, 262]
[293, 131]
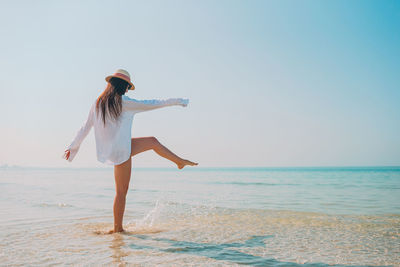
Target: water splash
[148, 220]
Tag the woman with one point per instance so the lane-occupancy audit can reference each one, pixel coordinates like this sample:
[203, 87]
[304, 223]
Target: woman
[111, 115]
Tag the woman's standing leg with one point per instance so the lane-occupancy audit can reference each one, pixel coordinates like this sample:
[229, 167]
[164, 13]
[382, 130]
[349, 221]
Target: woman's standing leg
[122, 173]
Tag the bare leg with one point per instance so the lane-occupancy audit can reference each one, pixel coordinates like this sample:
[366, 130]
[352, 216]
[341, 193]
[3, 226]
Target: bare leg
[122, 175]
[142, 144]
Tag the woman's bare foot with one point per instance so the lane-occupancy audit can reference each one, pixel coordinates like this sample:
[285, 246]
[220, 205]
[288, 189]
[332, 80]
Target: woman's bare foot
[113, 231]
[186, 162]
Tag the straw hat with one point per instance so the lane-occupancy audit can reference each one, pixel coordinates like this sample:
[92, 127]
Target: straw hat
[122, 74]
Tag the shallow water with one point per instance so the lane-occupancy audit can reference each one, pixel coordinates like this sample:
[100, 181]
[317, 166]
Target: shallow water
[213, 217]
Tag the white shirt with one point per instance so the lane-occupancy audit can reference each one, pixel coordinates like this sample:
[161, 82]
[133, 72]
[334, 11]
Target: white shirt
[113, 142]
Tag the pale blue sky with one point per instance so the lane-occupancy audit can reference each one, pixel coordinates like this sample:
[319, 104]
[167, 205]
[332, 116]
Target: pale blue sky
[270, 83]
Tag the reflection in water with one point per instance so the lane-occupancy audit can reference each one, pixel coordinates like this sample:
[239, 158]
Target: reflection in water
[118, 252]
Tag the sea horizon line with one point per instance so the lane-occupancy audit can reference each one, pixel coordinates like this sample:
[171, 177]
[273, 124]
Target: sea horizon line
[322, 167]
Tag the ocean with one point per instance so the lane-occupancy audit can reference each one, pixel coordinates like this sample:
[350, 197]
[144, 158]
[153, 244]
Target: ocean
[344, 216]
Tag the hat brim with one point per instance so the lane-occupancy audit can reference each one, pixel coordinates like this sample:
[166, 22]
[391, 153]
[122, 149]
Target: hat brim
[126, 80]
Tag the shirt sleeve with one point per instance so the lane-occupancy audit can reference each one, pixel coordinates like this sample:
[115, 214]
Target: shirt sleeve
[145, 105]
[81, 134]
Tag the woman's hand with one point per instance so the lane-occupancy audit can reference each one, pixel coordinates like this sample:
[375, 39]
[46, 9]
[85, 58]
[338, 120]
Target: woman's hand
[184, 102]
[66, 154]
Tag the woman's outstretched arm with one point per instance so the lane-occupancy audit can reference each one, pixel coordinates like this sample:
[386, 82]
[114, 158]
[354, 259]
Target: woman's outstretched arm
[144, 105]
[73, 148]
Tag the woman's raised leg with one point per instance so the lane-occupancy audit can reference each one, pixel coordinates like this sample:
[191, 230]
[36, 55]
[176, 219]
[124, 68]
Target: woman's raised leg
[122, 173]
[142, 144]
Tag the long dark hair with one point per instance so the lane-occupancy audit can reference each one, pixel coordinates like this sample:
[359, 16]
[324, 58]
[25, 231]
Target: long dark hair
[111, 99]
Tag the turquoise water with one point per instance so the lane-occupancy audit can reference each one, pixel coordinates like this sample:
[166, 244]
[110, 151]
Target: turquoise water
[203, 216]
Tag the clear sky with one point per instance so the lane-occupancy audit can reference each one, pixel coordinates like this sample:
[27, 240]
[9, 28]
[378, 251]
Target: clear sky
[270, 83]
